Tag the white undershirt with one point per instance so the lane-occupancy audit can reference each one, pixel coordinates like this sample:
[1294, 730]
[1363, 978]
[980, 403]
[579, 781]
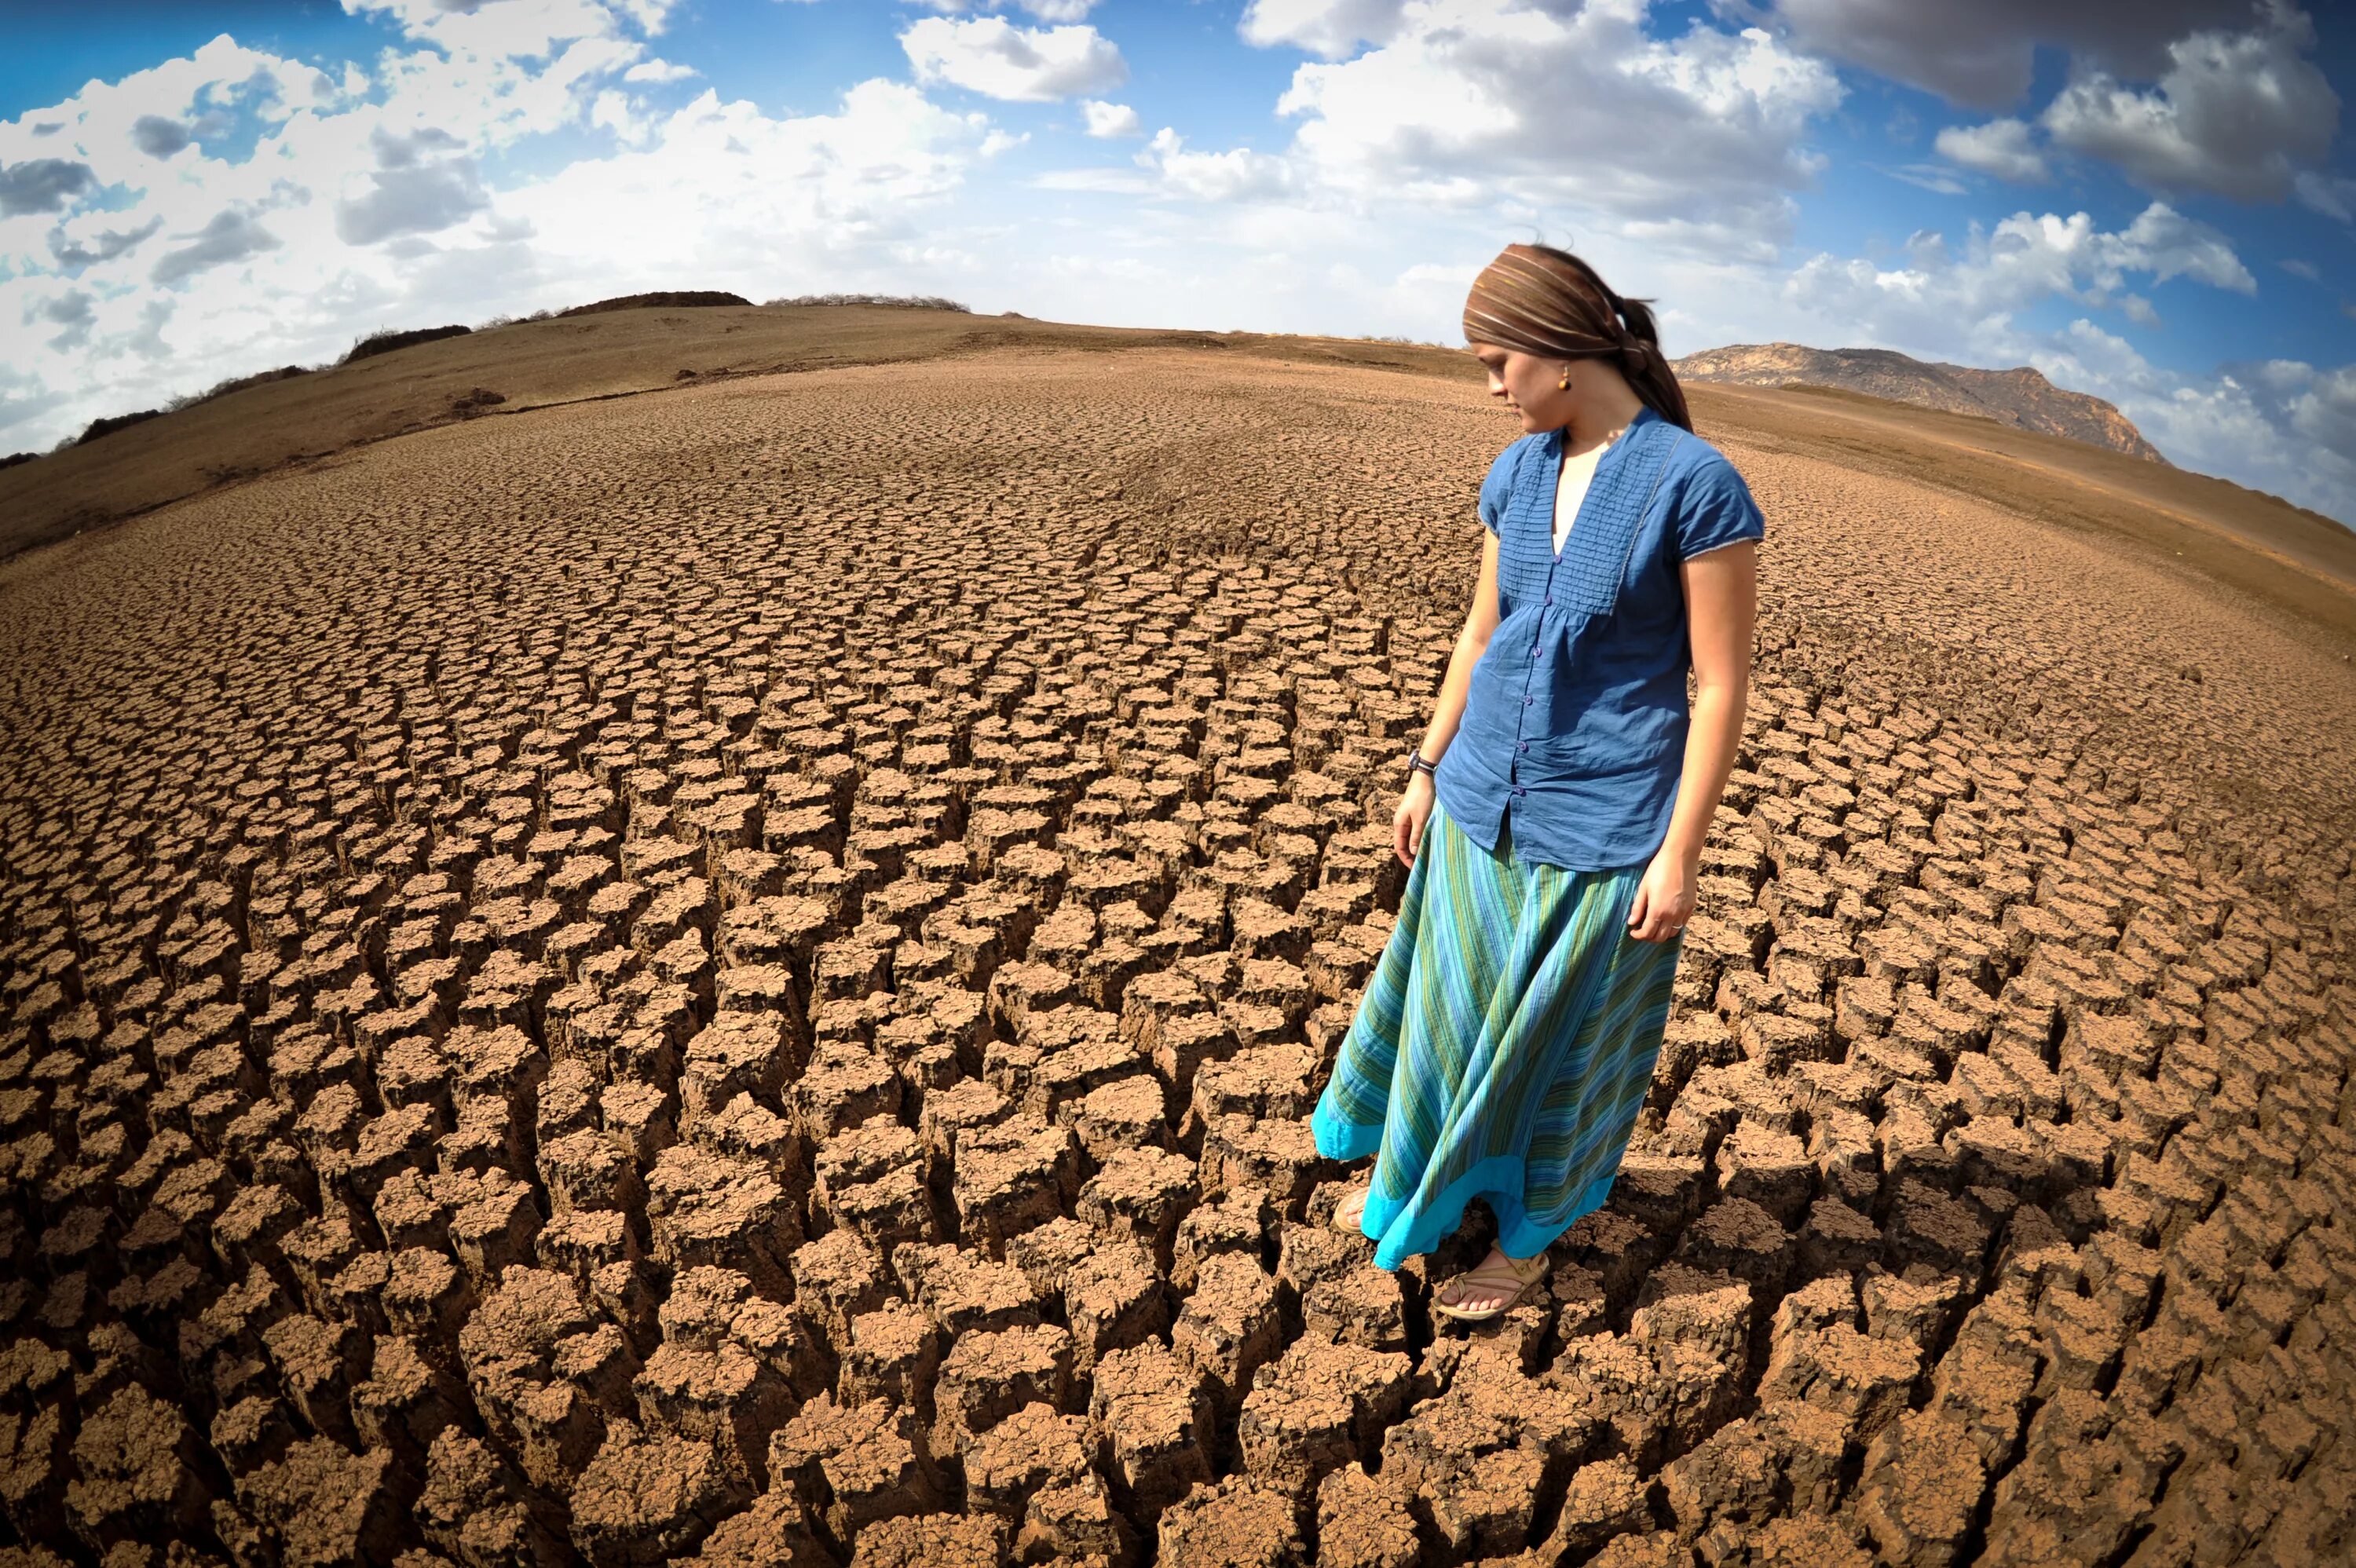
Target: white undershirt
[1577, 473]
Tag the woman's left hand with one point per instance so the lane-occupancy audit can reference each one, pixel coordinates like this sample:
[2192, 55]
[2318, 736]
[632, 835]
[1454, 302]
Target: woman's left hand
[1665, 898]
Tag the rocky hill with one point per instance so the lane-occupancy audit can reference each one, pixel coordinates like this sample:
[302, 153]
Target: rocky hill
[2019, 397]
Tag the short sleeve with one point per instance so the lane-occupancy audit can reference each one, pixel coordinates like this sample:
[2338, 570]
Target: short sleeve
[1497, 487]
[1715, 509]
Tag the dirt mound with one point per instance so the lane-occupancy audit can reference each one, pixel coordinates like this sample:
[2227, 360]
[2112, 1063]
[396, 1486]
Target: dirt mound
[735, 975]
[379, 343]
[668, 298]
[2021, 397]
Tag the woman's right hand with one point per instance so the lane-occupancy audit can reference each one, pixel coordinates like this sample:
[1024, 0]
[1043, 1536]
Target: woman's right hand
[1408, 823]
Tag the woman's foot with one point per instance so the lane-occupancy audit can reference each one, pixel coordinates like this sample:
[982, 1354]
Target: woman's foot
[1349, 1215]
[1494, 1288]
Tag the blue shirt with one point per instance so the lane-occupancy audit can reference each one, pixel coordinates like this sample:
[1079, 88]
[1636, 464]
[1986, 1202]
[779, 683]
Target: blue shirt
[1574, 724]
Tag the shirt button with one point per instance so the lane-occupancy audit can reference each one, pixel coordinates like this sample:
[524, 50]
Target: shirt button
[1525, 745]
[1528, 700]
[1519, 790]
[1534, 647]
[1549, 598]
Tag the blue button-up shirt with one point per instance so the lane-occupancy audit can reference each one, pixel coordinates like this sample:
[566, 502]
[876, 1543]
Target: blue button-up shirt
[1574, 724]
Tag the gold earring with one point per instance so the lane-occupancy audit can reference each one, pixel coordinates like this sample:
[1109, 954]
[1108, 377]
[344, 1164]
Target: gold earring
[1564, 385]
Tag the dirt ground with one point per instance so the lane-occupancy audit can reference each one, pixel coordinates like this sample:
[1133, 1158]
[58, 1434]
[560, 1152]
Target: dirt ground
[737, 975]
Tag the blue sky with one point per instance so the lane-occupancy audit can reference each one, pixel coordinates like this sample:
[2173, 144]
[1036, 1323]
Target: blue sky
[2155, 204]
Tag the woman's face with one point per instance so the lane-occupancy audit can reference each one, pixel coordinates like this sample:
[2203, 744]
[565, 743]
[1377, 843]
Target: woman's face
[1530, 386]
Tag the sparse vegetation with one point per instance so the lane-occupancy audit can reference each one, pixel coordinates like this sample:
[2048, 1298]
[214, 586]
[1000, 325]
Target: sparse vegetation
[112, 422]
[239, 383]
[504, 320]
[386, 342]
[889, 302]
[664, 299]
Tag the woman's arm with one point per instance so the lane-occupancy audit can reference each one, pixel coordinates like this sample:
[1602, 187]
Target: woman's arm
[1721, 589]
[1448, 712]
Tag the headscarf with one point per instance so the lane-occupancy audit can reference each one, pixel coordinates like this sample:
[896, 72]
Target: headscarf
[1537, 300]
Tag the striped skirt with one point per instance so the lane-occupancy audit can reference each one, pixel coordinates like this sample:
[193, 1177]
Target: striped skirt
[1503, 1047]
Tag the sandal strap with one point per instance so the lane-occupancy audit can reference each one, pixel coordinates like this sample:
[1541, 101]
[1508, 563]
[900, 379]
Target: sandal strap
[1491, 1276]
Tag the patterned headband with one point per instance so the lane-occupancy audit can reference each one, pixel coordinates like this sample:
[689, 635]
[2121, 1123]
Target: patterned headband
[1529, 302]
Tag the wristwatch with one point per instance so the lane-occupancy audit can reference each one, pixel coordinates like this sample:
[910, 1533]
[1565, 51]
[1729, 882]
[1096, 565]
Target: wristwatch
[1416, 764]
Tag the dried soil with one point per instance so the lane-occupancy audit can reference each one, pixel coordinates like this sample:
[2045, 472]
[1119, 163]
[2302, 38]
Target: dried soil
[737, 973]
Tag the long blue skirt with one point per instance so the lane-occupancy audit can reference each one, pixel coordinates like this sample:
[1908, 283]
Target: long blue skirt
[1503, 1049]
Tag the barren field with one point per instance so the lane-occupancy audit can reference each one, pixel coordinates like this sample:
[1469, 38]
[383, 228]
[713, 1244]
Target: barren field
[737, 975]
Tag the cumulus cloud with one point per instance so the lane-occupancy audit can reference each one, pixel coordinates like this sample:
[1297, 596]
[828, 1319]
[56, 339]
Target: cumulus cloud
[2280, 425]
[73, 251]
[1330, 29]
[1110, 119]
[70, 309]
[1983, 55]
[1694, 139]
[2268, 429]
[659, 71]
[231, 236]
[2235, 112]
[990, 55]
[504, 29]
[1941, 304]
[2329, 195]
[1999, 147]
[158, 136]
[1237, 174]
[421, 184]
[42, 185]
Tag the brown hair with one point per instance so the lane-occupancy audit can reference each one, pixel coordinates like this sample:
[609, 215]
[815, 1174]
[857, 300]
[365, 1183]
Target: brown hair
[1536, 299]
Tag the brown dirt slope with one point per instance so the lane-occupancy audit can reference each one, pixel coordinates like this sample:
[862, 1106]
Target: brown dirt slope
[735, 976]
[537, 364]
[2021, 397]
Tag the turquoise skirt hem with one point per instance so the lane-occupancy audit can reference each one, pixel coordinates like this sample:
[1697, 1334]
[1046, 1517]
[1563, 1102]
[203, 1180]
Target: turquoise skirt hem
[1498, 1181]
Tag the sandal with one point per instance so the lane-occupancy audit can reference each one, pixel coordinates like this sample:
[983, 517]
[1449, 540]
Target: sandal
[1350, 1214]
[1515, 1274]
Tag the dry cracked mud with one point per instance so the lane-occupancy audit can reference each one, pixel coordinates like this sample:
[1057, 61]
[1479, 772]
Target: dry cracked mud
[736, 977]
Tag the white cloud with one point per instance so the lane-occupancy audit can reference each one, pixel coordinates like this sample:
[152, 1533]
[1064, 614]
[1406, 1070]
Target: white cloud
[2271, 429]
[2235, 112]
[1045, 10]
[1984, 54]
[992, 56]
[1110, 119]
[1999, 147]
[424, 182]
[2329, 195]
[2167, 244]
[505, 30]
[1929, 176]
[1237, 174]
[231, 236]
[2281, 425]
[1332, 29]
[2299, 269]
[1941, 302]
[659, 71]
[1106, 182]
[1469, 102]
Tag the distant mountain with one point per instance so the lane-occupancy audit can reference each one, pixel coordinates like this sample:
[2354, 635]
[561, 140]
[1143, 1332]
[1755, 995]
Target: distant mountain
[2021, 398]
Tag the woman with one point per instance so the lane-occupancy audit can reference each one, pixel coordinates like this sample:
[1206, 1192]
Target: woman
[1508, 1037]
